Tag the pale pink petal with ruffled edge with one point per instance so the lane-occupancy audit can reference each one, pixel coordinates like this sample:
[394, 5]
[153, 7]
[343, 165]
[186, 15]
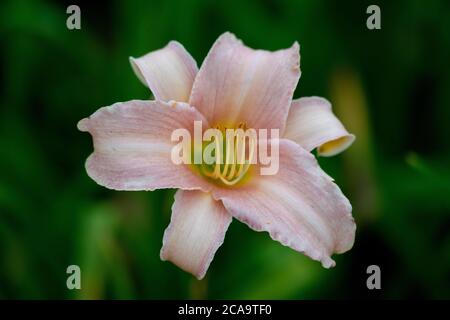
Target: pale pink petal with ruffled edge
[238, 84]
[168, 72]
[300, 206]
[132, 145]
[312, 124]
[197, 229]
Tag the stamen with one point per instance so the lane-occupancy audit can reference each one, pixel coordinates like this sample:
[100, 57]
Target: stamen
[241, 173]
[233, 161]
[233, 169]
[227, 160]
[218, 158]
[242, 159]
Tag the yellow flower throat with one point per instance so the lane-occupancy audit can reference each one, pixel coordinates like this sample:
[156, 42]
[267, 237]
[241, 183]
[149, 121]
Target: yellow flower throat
[231, 164]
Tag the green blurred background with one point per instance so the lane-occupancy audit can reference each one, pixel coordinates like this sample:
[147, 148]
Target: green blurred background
[391, 87]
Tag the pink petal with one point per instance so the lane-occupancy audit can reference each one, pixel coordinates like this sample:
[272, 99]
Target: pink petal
[169, 72]
[312, 124]
[132, 145]
[238, 84]
[197, 229]
[300, 206]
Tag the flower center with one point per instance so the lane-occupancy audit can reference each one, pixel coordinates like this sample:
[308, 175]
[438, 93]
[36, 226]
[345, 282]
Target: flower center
[230, 154]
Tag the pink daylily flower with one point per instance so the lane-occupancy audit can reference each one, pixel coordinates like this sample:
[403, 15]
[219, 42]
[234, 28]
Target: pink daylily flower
[300, 206]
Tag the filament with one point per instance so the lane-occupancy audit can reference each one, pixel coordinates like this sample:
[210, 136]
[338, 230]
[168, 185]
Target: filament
[236, 165]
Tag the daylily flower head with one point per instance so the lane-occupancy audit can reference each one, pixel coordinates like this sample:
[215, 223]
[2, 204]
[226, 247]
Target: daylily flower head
[236, 88]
